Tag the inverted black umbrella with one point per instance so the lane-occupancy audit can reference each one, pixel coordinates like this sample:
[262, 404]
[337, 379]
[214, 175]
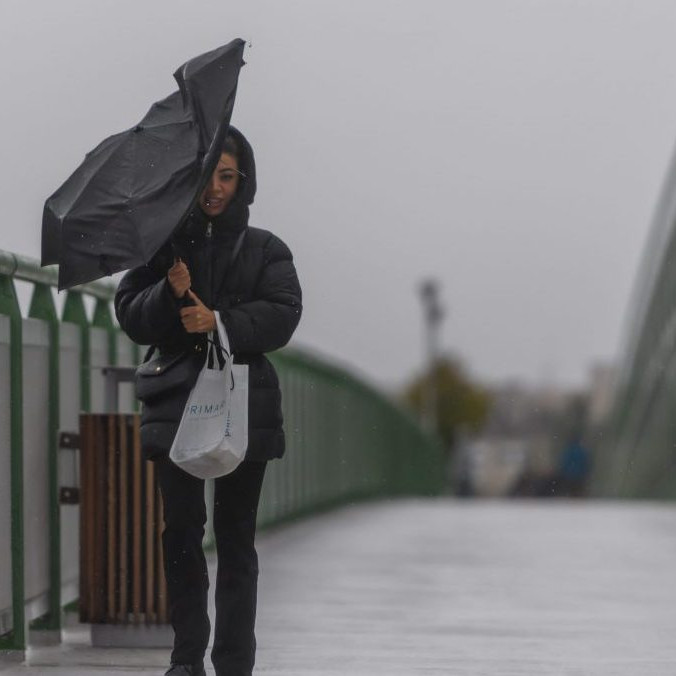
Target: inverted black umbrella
[135, 188]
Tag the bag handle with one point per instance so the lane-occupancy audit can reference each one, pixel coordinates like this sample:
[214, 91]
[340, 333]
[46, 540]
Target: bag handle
[215, 346]
[149, 353]
[220, 336]
[236, 249]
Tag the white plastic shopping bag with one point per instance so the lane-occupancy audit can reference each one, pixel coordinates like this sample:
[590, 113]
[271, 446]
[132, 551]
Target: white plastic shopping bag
[212, 436]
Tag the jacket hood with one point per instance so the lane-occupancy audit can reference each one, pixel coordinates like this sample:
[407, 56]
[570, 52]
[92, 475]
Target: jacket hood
[247, 165]
[236, 216]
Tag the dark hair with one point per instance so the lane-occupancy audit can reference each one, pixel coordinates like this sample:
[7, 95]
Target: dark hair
[230, 146]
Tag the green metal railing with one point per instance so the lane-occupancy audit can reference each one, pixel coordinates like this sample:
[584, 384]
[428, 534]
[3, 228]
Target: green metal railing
[638, 456]
[42, 306]
[345, 440]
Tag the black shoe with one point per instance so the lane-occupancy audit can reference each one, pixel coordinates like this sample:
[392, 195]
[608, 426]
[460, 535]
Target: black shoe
[185, 670]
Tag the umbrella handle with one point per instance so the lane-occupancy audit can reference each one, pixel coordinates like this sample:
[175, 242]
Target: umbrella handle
[186, 301]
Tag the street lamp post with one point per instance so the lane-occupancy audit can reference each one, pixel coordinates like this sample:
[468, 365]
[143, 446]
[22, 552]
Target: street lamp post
[433, 314]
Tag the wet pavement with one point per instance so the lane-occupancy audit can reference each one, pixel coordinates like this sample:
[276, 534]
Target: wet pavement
[442, 586]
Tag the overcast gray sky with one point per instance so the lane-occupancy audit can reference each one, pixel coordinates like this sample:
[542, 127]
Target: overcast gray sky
[514, 149]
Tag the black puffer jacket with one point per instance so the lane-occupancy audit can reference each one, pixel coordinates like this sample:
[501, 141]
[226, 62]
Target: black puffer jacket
[259, 301]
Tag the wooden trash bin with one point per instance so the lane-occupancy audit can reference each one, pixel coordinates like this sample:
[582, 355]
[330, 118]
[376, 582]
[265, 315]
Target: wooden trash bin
[123, 592]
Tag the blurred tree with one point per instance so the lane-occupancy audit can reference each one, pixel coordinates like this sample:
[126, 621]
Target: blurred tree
[461, 404]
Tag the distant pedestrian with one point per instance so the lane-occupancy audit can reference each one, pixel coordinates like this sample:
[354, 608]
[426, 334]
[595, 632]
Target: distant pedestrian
[259, 302]
[573, 472]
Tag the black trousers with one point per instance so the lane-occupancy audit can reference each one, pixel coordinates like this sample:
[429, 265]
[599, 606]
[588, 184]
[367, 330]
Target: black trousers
[235, 507]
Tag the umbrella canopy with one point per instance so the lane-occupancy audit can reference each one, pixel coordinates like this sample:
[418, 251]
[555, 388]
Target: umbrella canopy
[135, 188]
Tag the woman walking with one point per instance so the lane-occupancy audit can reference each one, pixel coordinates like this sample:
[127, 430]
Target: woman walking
[247, 276]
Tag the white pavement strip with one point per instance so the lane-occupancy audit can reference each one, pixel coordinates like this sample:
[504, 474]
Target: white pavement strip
[451, 587]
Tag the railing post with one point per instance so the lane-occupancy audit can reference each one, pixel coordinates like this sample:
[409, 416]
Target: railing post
[42, 307]
[9, 306]
[74, 312]
[103, 319]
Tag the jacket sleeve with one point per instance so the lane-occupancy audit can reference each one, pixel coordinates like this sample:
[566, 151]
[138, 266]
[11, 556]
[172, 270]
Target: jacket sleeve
[146, 308]
[267, 322]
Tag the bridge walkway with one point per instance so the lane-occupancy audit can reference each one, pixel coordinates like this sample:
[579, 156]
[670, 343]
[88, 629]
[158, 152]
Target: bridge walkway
[443, 586]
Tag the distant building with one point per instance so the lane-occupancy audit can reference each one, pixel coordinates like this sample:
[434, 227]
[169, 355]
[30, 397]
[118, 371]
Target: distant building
[602, 377]
[517, 451]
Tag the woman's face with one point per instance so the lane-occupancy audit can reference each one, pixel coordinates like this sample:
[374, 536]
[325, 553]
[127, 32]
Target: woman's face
[221, 187]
